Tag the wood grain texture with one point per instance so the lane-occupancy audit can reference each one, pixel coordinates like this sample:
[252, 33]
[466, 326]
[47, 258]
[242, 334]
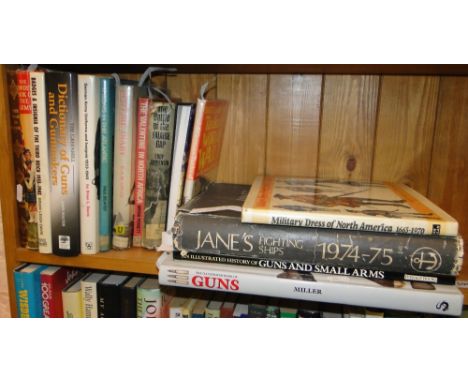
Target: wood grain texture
[243, 150]
[186, 87]
[348, 126]
[449, 169]
[7, 190]
[405, 130]
[293, 125]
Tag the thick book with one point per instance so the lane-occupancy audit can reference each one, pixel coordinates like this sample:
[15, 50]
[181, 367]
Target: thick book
[158, 171]
[128, 294]
[88, 119]
[62, 120]
[149, 299]
[106, 160]
[210, 224]
[18, 157]
[206, 144]
[385, 294]
[28, 186]
[182, 140]
[348, 205]
[124, 164]
[53, 280]
[28, 290]
[108, 291]
[89, 294]
[72, 300]
[140, 170]
[39, 113]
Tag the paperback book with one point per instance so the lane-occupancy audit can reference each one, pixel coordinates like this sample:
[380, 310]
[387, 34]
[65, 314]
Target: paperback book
[309, 286]
[348, 205]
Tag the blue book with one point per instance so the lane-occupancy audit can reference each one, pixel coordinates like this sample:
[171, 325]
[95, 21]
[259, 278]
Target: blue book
[28, 290]
[106, 155]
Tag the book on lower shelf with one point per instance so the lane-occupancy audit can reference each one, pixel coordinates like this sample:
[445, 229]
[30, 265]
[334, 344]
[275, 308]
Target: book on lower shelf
[385, 294]
[28, 290]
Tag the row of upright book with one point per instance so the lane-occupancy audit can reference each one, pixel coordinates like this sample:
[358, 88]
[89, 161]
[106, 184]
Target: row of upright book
[102, 163]
[379, 245]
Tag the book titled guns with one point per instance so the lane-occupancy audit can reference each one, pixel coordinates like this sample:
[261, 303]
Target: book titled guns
[211, 224]
[337, 204]
[385, 294]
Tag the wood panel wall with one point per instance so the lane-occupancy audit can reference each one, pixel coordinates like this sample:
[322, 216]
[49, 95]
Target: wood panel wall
[410, 129]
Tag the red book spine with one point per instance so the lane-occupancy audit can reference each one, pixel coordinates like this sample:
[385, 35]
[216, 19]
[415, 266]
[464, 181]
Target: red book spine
[140, 170]
[47, 294]
[227, 310]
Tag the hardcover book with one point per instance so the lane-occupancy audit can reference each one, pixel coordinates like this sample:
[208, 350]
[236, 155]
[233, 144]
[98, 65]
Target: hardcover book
[28, 290]
[149, 299]
[72, 300]
[128, 291]
[213, 309]
[158, 171]
[63, 149]
[53, 281]
[199, 308]
[28, 186]
[205, 148]
[39, 113]
[176, 307]
[18, 157]
[346, 205]
[106, 160]
[109, 303]
[309, 286]
[89, 294]
[209, 228]
[88, 119]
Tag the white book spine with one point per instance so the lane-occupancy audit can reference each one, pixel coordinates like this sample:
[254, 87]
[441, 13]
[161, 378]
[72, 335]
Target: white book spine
[72, 304]
[443, 299]
[88, 118]
[124, 168]
[89, 299]
[38, 102]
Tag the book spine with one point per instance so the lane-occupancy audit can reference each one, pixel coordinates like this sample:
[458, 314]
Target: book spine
[88, 117]
[47, 295]
[106, 161]
[124, 166]
[159, 162]
[89, 296]
[140, 170]
[108, 301]
[38, 102]
[128, 305]
[63, 149]
[308, 267]
[321, 288]
[404, 254]
[29, 156]
[18, 158]
[22, 295]
[72, 304]
[190, 178]
[149, 303]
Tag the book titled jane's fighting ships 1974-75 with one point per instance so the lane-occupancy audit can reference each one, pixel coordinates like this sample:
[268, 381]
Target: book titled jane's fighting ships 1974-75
[359, 206]
[385, 294]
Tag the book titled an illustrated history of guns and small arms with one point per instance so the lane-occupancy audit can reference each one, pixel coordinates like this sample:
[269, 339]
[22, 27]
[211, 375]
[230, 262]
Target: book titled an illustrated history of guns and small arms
[210, 225]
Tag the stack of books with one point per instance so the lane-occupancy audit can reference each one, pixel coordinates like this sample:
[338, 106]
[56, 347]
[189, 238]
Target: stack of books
[379, 245]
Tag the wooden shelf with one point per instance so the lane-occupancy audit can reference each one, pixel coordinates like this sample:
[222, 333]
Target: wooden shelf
[135, 260]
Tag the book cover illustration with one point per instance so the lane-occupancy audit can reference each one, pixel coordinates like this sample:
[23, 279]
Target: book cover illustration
[205, 148]
[210, 224]
[158, 171]
[28, 290]
[18, 157]
[349, 205]
[28, 186]
[309, 286]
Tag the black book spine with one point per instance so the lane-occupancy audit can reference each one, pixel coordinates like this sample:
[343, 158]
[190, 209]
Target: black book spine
[108, 301]
[62, 121]
[128, 302]
[401, 254]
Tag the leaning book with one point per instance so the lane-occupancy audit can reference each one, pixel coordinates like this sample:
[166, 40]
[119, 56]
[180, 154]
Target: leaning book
[386, 294]
[349, 205]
